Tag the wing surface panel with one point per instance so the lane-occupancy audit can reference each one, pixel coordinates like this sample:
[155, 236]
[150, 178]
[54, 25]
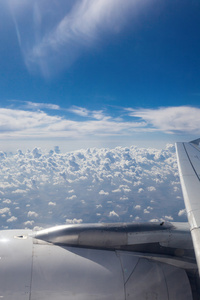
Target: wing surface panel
[193, 153]
[188, 155]
[189, 169]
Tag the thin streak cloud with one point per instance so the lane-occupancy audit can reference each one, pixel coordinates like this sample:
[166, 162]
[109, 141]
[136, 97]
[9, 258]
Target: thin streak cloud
[83, 112]
[22, 123]
[170, 119]
[83, 25]
[80, 111]
[34, 123]
[34, 105]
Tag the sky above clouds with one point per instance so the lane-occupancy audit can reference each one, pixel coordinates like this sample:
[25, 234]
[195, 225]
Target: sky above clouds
[95, 74]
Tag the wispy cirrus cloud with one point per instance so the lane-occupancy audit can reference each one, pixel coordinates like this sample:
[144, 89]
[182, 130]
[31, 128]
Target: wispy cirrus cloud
[170, 119]
[80, 111]
[35, 105]
[37, 123]
[14, 122]
[59, 32]
[83, 112]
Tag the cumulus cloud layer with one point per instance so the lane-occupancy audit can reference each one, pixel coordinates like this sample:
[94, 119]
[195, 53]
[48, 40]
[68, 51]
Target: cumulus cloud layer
[93, 185]
[62, 30]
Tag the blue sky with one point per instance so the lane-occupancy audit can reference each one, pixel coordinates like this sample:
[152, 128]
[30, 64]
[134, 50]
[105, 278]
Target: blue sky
[87, 73]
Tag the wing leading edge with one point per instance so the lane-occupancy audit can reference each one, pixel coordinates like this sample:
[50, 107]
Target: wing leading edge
[188, 156]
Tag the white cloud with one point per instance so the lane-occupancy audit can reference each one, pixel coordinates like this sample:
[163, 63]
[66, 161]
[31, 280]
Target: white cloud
[4, 210]
[35, 105]
[138, 207]
[170, 119]
[176, 189]
[52, 203]
[90, 176]
[71, 191]
[168, 218]
[103, 193]
[37, 228]
[150, 208]
[16, 123]
[59, 33]
[182, 212]
[19, 191]
[127, 190]
[29, 223]
[151, 188]
[154, 220]
[35, 124]
[8, 201]
[99, 115]
[116, 191]
[74, 221]
[81, 111]
[24, 123]
[98, 206]
[72, 197]
[12, 219]
[113, 214]
[32, 214]
[123, 198]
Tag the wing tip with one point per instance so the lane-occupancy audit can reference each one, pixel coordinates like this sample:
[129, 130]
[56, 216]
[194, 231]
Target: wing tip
[196, 142]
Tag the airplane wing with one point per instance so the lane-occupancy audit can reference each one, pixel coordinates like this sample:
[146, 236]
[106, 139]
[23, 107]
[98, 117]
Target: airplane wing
[188, 156]
[98, 262]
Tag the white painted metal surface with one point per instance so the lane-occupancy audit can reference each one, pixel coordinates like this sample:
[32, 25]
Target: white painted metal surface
[189, 169]
[32, 269]
[151, 280]
[120, 235]
[76, 274]
[15, 265]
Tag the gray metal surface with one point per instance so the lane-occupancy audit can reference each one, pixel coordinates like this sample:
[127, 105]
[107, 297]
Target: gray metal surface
[189, 168]
[119, 236]
[188, 155]
[151, 280]
[15, 265]
[78, 274]
[32, 269]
